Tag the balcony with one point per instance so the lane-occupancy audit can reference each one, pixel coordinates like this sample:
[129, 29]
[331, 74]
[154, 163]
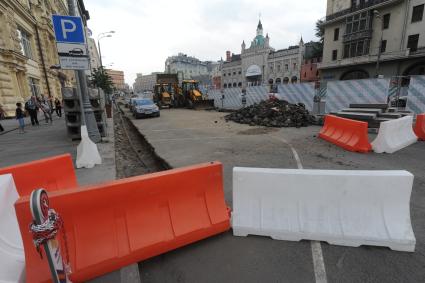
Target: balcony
[362, 6]
[369, 59]
[365, 34]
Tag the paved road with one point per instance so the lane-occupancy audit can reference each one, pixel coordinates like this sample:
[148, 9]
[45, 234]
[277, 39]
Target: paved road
[184, 137]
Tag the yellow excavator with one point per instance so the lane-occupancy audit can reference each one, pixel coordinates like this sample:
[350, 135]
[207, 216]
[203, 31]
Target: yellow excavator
[162, 95]
[189, 95]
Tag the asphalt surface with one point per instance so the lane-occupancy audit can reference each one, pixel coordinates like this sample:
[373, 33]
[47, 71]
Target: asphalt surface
[185, 137]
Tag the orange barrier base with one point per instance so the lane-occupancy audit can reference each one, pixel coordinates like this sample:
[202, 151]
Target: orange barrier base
[420, 126]
[349, 134]
[52, 174]
[111, 225]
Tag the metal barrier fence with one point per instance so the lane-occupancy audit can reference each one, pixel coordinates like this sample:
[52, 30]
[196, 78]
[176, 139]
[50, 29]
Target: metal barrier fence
[340, 94]
[416, 94]
[298, 93]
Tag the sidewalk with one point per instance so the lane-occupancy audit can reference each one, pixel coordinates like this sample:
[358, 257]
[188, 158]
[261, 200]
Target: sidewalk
[49, 140]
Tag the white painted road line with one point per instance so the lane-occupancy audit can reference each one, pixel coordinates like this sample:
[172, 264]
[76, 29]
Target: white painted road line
[316, 247]
[190, 139]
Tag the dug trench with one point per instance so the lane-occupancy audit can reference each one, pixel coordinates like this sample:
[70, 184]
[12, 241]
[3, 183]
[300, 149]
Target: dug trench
[133, 154]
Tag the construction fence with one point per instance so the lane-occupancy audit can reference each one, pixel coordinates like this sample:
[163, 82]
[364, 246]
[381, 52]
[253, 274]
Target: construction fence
[337, 95]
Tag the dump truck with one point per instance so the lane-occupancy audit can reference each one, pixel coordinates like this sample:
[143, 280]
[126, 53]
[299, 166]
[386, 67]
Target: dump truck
[165, 89]
[190, 96]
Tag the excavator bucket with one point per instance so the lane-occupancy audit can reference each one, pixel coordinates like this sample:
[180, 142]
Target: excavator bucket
[204, 104]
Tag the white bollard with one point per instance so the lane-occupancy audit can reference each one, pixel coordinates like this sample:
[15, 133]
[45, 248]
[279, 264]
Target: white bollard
[394, 135]
[87, 153]
[342, 207]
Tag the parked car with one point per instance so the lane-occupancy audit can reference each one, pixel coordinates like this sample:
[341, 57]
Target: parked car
[401, 102]
[145, 108]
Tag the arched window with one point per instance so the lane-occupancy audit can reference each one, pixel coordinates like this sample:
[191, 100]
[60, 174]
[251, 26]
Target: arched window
[285, 80]
[225, 85]
[278, 81]
[270, 81]
[294, 79]
[234, 84]
[305, 74]
[355, 74]
[239, 84]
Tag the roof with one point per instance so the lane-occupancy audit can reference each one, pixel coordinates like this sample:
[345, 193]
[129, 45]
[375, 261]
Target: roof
[259, 26]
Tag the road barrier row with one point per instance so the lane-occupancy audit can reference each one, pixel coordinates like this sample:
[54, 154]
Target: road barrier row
[420, 126]
[53, 174]
[114, 224]
[341, 207]
[394, 135]
[349, 134]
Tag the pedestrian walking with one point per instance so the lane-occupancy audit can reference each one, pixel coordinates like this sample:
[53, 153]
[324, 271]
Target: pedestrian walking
[45, 107]
[1, 118]
[19, 114]
[58, 107]
[32, 107]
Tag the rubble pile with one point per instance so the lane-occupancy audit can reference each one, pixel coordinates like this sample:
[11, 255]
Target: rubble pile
[273, 113]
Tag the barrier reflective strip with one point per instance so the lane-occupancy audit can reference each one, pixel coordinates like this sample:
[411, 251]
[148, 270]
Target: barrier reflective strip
[52, 174]
[114, 224]
[341, 207]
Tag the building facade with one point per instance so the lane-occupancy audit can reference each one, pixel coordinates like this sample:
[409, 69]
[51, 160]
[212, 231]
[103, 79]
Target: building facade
[261, 64]
[365, 39]
[188, 66]
[145, 82]
[93, 52]
[28, 52]
[117, 78]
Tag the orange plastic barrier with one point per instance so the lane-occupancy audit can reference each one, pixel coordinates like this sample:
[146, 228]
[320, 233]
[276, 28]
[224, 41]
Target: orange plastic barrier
[420, 126]
[52, 174]
[114, 224]
[346, 133]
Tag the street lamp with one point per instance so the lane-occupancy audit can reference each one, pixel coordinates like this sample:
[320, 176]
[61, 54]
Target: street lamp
[378, 16]
[99, 37]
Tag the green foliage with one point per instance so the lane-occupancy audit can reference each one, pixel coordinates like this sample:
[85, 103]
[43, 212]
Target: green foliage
[320, 30]
[100, 78]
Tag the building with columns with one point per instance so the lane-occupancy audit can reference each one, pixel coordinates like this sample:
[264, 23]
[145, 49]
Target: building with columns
[261, 64]
[28, 51]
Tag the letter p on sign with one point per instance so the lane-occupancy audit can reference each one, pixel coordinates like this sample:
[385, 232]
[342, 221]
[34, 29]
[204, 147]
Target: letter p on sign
[68, 29]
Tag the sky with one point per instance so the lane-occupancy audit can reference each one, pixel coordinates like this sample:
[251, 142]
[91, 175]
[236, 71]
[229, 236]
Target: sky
[149, 31]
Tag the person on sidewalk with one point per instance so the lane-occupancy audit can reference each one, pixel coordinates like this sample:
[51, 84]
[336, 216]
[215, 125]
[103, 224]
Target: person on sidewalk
[1, 118]
[45, 107]
[19, 113]
[58, 107]
[32, 107]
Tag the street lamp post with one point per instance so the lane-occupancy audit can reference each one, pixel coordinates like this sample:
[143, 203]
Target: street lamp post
[99, 37]
[378, 58]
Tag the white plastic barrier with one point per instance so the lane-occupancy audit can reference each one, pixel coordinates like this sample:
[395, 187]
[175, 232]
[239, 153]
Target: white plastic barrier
[12, 258]
[341, 207]
[394, 135]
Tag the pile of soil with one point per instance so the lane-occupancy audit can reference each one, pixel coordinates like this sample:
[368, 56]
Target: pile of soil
[273, 113]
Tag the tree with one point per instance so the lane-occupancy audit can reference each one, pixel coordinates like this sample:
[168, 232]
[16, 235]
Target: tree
[100, 78]
[320, 30]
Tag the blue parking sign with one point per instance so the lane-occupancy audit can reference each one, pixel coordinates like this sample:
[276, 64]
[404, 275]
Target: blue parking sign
[68, 29]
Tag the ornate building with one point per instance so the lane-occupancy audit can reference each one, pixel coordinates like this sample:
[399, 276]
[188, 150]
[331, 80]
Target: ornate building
[262, 64]
[28, 52]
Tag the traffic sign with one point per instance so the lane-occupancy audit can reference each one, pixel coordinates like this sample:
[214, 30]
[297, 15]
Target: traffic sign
[68, 29]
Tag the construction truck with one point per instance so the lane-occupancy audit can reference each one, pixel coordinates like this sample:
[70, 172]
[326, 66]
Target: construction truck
[165, 89]
[189, 95]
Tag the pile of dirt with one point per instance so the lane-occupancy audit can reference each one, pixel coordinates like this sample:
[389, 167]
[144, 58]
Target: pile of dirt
[273, 113]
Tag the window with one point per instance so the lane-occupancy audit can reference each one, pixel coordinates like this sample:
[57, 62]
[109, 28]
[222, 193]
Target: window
[224, 74]
[240, 72]
[295, 66]
[356, 23]
[234, 73]
[383, 46]
[359, 48]
[239, 84]
[225, 85]
[334, 55]
[286, 67]
[34, 86]
[229, 74]
[25, 41]
[234, 84]
[305, 74]
[278, 68]
[336, 34]
[417, 14]
[386, 21]
[412, 42]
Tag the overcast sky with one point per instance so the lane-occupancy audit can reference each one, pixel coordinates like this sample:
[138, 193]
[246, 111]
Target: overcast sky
[148, 31]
